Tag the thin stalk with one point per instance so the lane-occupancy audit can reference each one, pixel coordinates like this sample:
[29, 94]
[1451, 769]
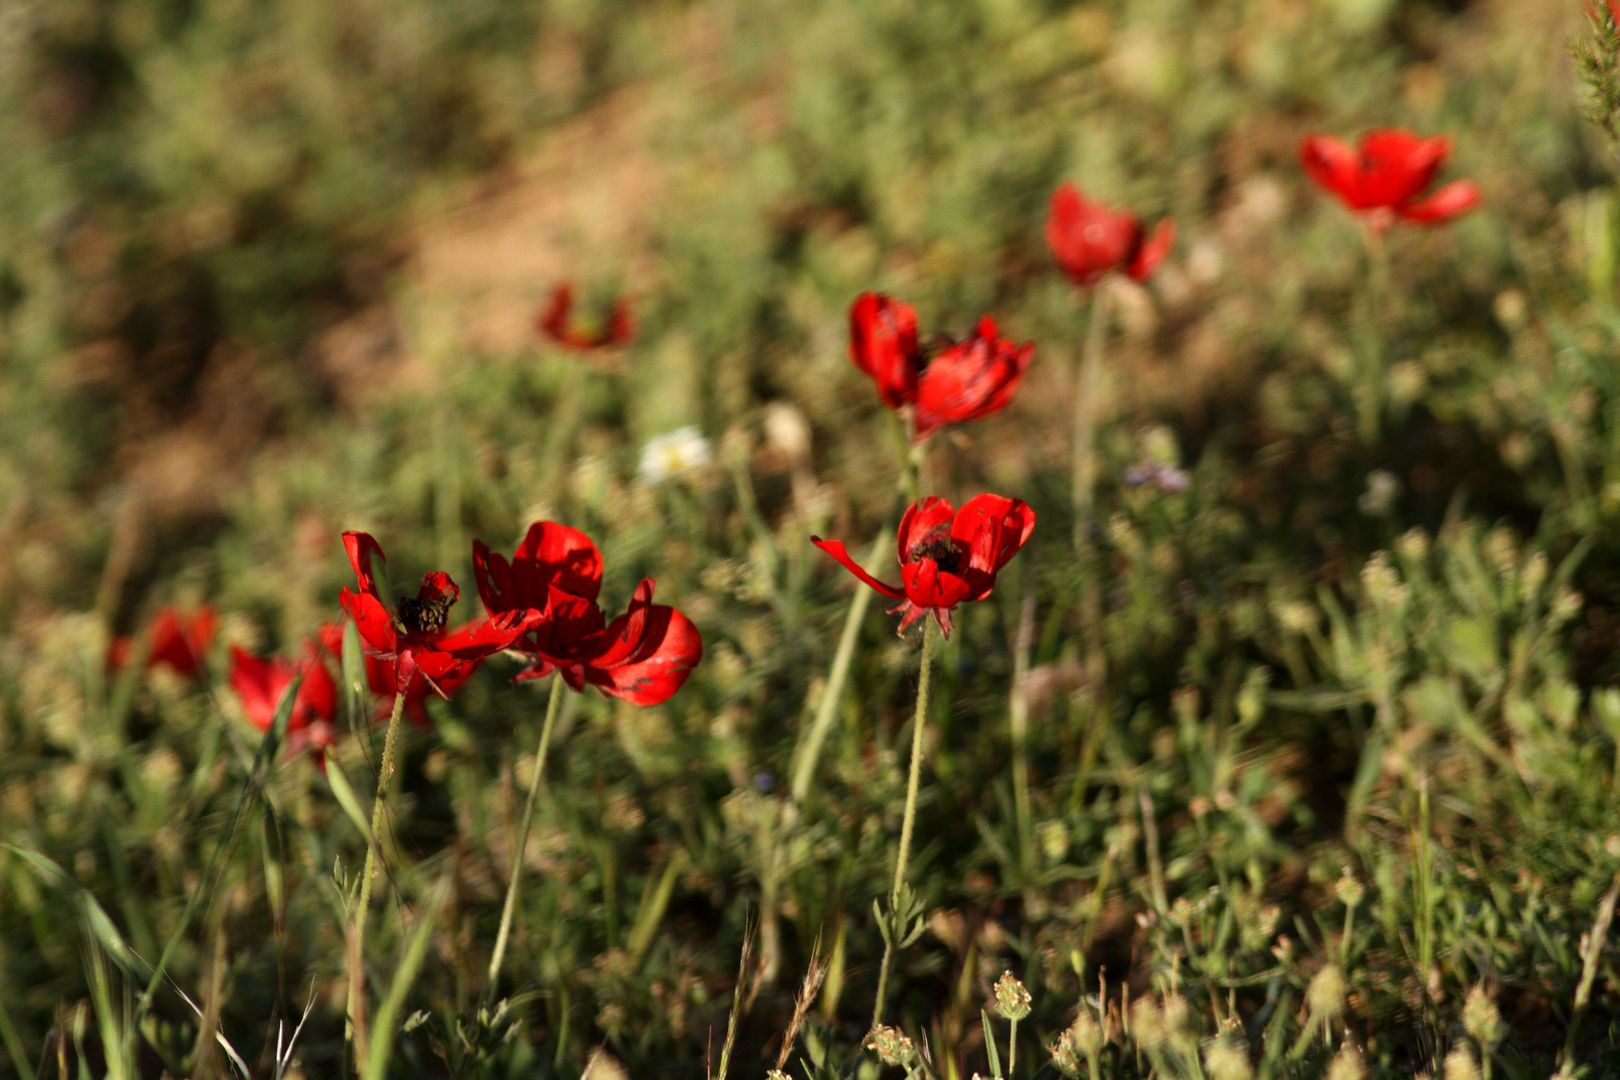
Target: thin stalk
[1018, 720]
[357, 968]
[804, 769]
[553, 707]
[925, 681]
[1371, 407]
[1084, 472]
[1012, 1048]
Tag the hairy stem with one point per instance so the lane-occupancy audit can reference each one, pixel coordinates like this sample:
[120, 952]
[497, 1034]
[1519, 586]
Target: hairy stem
[357, 951]
[925, 680]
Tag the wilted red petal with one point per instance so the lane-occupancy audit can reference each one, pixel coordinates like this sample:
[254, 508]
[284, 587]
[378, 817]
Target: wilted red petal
[1449, 202]
[836, 549]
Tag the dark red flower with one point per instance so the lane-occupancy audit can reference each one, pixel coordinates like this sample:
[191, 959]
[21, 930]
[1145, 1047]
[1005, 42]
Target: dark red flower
[416, 636]
[1088, 240]
[260, 684]
[947, 556]
[643, 656]
[955, 382]
[556, 322]
[1384, 177]
[174, 640]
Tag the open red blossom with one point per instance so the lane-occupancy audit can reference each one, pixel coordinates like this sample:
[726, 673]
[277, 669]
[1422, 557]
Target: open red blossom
[947, 556]
[1088, 240]
[643, 656]
[260, 684]
[415, 637]
[1384, 177]
[173, 640]
[556, 322]
[953, 383]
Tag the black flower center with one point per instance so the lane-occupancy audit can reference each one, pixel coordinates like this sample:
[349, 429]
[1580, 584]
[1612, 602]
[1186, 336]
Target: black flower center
[940, 548]
[423, 616]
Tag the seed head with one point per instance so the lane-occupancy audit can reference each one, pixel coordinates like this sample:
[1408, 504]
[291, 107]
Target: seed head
[1147, 1024]
[1012, 999]
[1481, 1019]
[1460, 1065]
[1325, 994]
[1349, 888]
[1225, 1060]
[1347, 1065]
[1066, 1054]
[891, 1045]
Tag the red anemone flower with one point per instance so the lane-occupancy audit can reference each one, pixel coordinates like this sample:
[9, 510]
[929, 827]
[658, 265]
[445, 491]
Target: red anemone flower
[260, 684]
[556, 322]
[173, 640]
[643, 656]
[961, 381]
[1088, 240]
[1385, 175]
[947, 556]
[415, 636]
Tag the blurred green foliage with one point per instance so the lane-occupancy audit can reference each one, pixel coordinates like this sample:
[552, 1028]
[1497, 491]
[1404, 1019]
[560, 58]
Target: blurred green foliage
[1369, 653]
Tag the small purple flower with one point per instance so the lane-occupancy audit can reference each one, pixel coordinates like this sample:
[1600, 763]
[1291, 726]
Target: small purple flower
[1167, 478]
[764, 782]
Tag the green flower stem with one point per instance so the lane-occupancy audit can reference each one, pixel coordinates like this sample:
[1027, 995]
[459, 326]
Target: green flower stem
[553, 707]
[925, 681]
[1084, 471]
[385, 771]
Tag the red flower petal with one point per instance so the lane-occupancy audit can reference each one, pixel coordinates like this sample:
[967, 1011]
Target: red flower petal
[654, 649]
[883, 343]
[1087, 239]
[362, 549]
[1448, 203]
[553, 554]
[926, 520]
[375, 624]
[1152, 251]
[1332, 164]
[1396, 165]
[555, 321]
[836, 549]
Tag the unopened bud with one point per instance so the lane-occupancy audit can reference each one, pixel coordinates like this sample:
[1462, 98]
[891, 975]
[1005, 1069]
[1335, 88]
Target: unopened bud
[1349, 889]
